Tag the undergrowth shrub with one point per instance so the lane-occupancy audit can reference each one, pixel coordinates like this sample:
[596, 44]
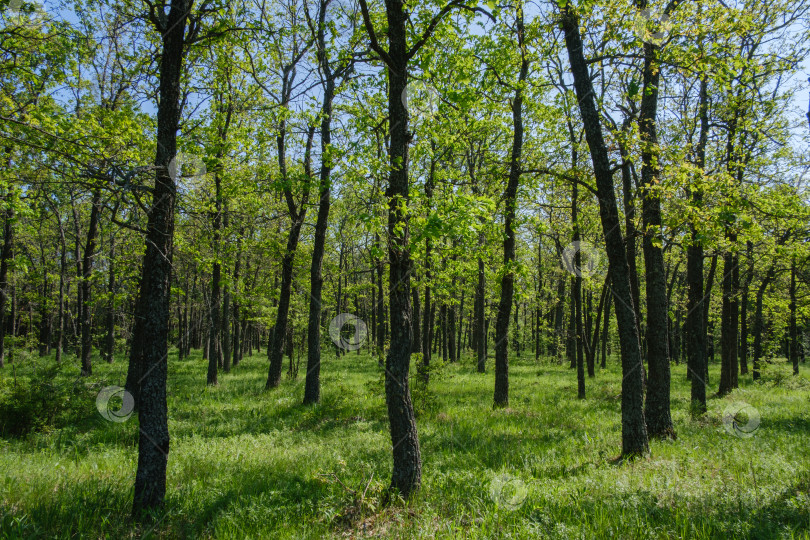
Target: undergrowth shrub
[37, 402]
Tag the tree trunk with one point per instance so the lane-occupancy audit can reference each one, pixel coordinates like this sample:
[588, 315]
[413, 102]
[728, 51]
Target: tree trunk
[577, 287]
[87, 271]
[697, 362]
[605, 328]
[110, 342]
[634, 431]
[480, 306]
[758, 321]
[460, 341]
[794, 334]
[510, 204]
[215, 308]
[729, 323]
[146, 378]
[407, 461]
[61, 316]
[657, 406]
[5, 259]
[275, 347]
[312, 385]
[744, 310]
[417, 322]
[225, 321]
[429, 304]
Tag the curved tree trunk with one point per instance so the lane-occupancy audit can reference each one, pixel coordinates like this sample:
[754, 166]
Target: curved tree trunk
[275, 347]
[634, 430]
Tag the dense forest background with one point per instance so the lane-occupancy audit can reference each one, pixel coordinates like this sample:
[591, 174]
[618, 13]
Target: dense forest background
[432, 188]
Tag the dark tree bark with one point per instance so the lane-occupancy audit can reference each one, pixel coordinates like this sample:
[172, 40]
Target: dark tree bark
[110, 341]
[749, 275]
[429, 304]
[794, 334]
[628, 196]
[510, 204]
[214, 309]
[576, 281]
[44, 312]
[225, 321]
[407, 471]
[594, 338]
[460, 341]
[657, 406]
[451, 320]
[236, 312]
[312, 386]
[480, 306]
[729, 324]
[417, 322]
[275, 347]
[380, 306]
[87, 272]
[559, 313]
[729, 344]
[695, 319]
[218, 354]
[707, 298]
[146, 378]
[606, 327]
[60, 328]
[5, 259]
[758, 321]
[634, 431]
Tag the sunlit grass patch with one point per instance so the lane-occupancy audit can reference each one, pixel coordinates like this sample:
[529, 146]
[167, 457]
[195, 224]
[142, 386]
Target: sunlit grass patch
[250, 463]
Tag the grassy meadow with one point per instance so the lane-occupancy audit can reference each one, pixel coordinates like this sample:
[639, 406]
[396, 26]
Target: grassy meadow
[245, 463]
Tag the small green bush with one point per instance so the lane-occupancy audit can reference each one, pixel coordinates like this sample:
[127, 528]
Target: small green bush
[33, 404]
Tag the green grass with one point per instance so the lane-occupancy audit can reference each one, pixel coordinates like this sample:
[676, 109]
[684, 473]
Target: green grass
[248, 463]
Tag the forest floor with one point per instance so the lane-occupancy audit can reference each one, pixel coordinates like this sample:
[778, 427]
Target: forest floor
[246, 463]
